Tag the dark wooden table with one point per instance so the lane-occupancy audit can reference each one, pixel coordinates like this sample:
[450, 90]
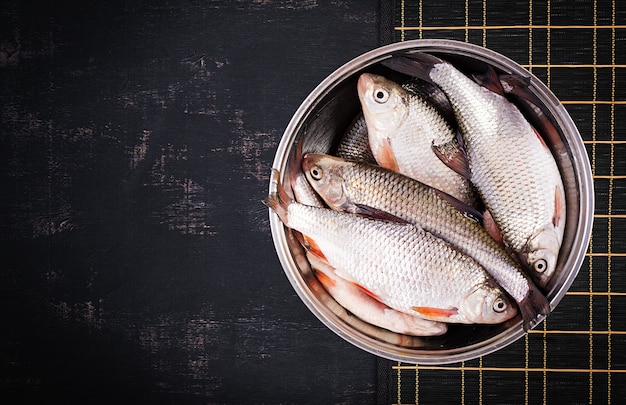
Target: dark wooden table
[136, 140]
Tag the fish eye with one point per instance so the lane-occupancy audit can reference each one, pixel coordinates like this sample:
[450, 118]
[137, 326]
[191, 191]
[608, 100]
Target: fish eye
[316, 173]
[540, 265]
[381, 95]
[500, 305]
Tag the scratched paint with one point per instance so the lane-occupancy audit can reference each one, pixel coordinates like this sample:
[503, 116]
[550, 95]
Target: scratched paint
[88, 313]
[135, 148]
[187, 208]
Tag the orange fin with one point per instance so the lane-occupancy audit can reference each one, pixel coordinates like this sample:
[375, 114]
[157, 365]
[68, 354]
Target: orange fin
[386, 157]
[366, 291]
[436, 312]
[326, 281]
[310, 245]
[314, 248]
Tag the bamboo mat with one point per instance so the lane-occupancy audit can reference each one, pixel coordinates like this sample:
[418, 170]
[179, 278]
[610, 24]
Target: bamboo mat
[577, 355]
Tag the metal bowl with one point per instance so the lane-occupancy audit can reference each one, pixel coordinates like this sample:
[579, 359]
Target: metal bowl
[323, 118]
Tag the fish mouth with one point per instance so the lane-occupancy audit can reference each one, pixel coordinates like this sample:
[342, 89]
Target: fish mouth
[365, 82]
[541, 265]
[309, 160]
[541, 256]
[478, 306]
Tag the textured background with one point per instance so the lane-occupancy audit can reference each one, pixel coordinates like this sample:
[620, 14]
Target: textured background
[136, 140]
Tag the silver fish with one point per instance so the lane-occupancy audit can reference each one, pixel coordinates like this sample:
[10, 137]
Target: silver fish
[403, 266]
[369, 309]
[403, 128]
[354, 145]
[372, 190]
[344, 292]
[512, 168]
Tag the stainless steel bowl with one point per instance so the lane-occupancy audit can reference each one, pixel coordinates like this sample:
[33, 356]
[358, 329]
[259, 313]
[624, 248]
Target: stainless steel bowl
[324, 116]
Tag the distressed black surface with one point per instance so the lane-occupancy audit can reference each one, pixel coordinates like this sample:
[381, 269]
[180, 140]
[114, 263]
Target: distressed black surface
[136, 139]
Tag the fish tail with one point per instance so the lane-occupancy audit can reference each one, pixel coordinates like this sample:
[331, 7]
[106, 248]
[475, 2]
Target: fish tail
[490, 80]
[533, 305]
[278, 200]
[415, 64]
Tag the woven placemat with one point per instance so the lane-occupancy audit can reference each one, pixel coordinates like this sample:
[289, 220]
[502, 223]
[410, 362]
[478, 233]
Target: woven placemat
[576, 355]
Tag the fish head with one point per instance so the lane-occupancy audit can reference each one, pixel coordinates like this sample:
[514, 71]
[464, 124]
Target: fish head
[325, 174]
[384, 103]
[487, 304]
[541, 251]
[541, 254]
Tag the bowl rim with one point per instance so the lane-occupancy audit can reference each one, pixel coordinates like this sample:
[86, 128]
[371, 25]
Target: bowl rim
[585, 192]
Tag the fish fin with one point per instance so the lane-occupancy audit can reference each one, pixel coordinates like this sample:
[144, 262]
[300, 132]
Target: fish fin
[533, 305]
[490, 80]
[375, 213]
[279, 200]
[453, 156]
[559, 206]
[314, 248]
[464, 208]
[367, 291]
[348, 277]
[415, 64]
[518, 86]
[425, 58]
[409, 67]
[319, 263]
[431, 312]
[311, 246]
[386, 158]
[300, 238]
[323, 278]
[492, 228]
[324, 272]
[283, 193]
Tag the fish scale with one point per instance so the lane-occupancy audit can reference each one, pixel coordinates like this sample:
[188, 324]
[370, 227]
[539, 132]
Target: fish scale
[345, 293]
[403, 127]
[405, 267]
[355, 187]
[351, 247]
[354, 144]
[512, 169]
